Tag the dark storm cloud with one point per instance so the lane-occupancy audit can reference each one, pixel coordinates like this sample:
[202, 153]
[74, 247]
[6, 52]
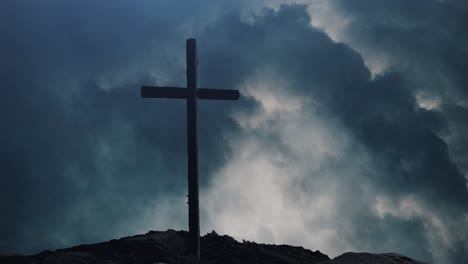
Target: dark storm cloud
[429, 34]
[382, 113]
[387, 120]
[106, 153]
[427, 42]
[82, 154]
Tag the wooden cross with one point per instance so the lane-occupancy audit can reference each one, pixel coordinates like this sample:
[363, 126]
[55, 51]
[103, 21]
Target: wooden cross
[191, 93]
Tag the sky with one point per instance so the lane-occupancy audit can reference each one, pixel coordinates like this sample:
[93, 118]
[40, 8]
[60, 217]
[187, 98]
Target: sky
[351, 133]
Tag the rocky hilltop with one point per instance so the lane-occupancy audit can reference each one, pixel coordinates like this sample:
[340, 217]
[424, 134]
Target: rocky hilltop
[157, 247]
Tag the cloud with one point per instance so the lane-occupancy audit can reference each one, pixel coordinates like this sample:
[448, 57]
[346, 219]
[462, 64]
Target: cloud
[424, 40]
[80, 148]
[378, 114]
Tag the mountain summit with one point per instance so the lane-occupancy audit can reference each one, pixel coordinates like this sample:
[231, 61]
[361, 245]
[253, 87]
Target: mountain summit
[159, 247]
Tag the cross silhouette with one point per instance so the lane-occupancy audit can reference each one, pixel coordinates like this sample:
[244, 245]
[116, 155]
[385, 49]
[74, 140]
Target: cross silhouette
[191, 93]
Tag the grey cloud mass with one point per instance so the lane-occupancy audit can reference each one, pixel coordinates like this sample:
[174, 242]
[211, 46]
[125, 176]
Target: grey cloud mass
[346, 138]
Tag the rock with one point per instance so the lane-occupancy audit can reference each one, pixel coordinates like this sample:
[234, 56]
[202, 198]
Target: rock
[168, 247]
[368, 258]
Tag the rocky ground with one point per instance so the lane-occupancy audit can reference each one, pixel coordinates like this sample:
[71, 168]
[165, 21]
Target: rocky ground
[169, 247]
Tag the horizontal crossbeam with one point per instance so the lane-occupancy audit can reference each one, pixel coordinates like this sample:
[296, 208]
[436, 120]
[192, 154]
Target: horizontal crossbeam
[217, 94]
[176, 92]
[164, 92]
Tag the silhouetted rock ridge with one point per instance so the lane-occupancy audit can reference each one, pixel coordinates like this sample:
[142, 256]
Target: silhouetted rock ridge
[170, 247]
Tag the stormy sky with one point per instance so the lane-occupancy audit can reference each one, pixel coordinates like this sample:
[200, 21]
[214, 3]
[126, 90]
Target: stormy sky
[351, 133]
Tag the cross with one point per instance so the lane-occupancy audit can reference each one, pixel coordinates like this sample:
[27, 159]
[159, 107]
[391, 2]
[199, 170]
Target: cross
[191, 93]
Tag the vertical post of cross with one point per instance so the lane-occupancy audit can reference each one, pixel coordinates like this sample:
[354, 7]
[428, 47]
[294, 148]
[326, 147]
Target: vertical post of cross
[192, 148]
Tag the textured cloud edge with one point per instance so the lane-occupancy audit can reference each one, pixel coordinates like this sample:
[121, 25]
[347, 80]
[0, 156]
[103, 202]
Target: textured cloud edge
[347, 137]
